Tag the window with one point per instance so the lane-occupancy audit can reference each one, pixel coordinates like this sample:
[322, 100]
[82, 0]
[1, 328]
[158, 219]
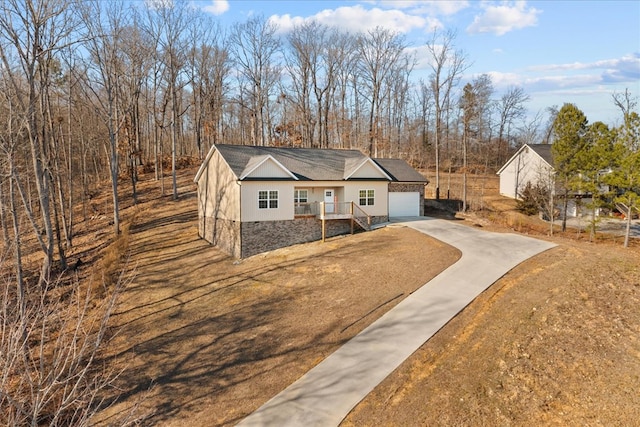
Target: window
[366, 197]
[268, 199]
[301, 196]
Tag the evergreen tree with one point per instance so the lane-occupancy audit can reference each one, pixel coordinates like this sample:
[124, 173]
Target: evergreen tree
[594, 161]
[626, 173]
[569, 130]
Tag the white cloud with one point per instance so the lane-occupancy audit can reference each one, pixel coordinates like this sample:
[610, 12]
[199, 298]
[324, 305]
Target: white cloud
[217, 7]
[356, 18]
[622, 69]
[430, 7]
[566, 83]
[285, 23]
[424, 58]
[504, 17]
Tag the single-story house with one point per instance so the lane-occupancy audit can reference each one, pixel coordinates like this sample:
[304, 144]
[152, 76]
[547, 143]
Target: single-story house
[533, 163]
[254, 199]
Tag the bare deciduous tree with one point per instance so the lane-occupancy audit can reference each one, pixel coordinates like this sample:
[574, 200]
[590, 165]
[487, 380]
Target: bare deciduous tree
[254, 45]
[49, 370]
[105, 23]
[31, 34]
[380, 51]
[510, 107]
[447, 65]
[169, 22]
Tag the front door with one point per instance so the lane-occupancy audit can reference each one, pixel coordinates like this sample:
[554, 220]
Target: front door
[329, 201]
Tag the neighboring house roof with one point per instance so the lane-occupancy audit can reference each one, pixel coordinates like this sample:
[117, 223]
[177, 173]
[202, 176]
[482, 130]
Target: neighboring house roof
[400, 171]
[542, 150]
[312, 164]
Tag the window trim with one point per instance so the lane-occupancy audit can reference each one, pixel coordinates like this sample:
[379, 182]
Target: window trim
[369, 197]
[268, 198]
[296, 196]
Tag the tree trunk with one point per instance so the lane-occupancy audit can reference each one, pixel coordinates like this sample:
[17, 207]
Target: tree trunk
[551, 212]
[18, 244]
[174, 137]
[628, 228]
[3, 219]
[113, 167]
[464, 173]
[565, 206]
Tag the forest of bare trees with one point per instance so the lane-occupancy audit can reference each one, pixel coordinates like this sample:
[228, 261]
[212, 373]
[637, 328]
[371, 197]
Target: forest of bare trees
[98, 91]
[95, 91]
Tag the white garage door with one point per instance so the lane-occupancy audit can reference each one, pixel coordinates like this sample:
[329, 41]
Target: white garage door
[404, 204]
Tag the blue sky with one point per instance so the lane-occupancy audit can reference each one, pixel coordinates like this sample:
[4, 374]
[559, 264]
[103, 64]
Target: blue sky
[557, 51]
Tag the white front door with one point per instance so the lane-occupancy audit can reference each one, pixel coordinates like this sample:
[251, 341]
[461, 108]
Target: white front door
[329, 201]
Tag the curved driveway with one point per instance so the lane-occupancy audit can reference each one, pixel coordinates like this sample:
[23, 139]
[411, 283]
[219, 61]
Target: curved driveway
[326, 394]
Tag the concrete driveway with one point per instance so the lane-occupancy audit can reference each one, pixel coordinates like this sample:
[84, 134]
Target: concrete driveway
[328, 392]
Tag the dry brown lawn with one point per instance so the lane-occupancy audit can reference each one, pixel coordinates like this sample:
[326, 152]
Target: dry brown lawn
[555, 342]
[206, 339]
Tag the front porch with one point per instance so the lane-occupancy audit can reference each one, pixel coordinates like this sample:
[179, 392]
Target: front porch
[326, 211]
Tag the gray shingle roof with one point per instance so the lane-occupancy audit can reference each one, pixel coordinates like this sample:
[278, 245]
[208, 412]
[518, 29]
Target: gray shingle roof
[313, 164]
[544, 151]
[400, 170]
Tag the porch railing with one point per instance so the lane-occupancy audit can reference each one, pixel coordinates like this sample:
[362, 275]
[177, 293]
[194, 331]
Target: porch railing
[361, 217]
[306, 209]
[340, 210]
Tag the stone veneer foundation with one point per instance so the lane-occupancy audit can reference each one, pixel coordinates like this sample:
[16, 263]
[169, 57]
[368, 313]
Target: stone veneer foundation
[245, 239]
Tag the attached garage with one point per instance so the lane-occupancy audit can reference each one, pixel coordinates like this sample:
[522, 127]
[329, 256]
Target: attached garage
[406, 189]
[404, 204]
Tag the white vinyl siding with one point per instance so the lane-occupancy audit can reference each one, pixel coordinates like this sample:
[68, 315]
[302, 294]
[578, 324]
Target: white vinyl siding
[367, 170]
[527, 166]
[345, 192]
[218, 191]
[269, 169]
[278, 208]
[268, 199]
[381, 188]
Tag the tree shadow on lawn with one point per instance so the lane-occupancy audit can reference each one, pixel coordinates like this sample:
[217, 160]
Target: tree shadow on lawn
[245, 346]
[201, 335]
[234, 354]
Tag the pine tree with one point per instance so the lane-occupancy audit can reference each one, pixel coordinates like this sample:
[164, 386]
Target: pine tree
[569, 129]
[593, 162]
[626, 173]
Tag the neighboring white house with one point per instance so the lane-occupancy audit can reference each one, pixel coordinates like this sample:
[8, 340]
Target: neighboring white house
[531, 163]
[255, 199]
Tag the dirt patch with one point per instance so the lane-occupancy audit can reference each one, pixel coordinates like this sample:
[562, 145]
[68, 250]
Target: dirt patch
[207, 339]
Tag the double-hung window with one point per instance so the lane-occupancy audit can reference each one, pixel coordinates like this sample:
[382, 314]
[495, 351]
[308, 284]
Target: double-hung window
[268, 199]
[301, 196]
[366, 197]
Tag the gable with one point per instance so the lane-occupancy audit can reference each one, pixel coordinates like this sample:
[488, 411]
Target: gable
[363, 169]
[539, 153]
[265, 167]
